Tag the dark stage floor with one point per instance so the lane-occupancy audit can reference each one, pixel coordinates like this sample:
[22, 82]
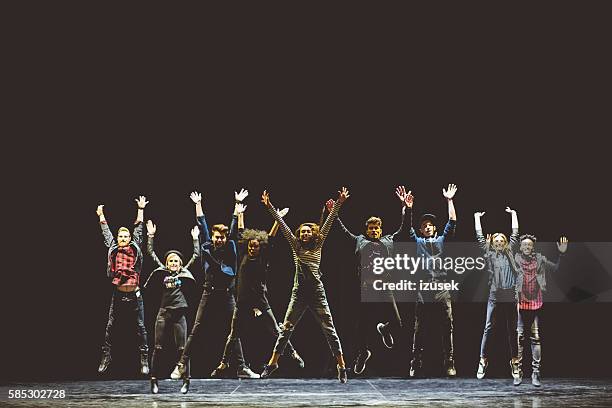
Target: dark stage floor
[318, 392]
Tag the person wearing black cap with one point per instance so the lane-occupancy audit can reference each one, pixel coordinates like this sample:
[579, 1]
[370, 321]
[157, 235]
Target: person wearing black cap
[431, 245]
[219, 258]
[372, 244]
[173, 278]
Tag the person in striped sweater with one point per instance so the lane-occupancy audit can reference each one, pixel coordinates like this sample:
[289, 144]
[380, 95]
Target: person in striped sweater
[308, 291]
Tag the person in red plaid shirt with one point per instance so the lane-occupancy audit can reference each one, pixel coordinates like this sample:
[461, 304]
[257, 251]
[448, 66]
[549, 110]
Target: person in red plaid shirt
[530, 283]
[124, 262]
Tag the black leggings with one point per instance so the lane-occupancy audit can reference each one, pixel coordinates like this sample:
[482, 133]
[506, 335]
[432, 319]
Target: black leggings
[168, 319]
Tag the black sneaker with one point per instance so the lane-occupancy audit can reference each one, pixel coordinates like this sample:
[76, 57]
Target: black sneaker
[144, 364]
[104, 363]
[360, 362]
[246, 372]
[268, 370]
[185, 387]
[342, 376]
[385, 333]
[220, 372]
[416, 368]
[535, 379]
[154, 386]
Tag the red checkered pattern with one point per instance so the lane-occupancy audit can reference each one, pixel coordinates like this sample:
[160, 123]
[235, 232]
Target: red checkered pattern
[123, 267]
[531, 294]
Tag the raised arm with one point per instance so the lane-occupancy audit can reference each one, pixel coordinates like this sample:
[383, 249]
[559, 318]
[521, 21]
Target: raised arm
[562, 247]
[407, 199]
[514, 237]
[449, 193]
[265, 199]
[151, 229]
[482, 241]
[195, 231]
[202, 225]
[109, 239]
[274, 228]
[329, 204]
[239, 209]
[141, 202]
[343, 194]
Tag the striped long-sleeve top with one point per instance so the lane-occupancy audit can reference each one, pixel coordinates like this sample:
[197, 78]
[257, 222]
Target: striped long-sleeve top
[311, 257]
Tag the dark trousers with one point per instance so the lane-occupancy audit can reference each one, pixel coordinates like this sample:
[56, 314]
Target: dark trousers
[169, 320]
[241, 315]
[372, 313]
[432, 306]
[127, 305]
[308, 293]
[218, 303]
[529, 320]
[501, 308]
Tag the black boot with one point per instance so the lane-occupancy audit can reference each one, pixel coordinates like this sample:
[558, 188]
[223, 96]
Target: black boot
[144, 363]
[268, 370]
[342, 376]
[154, 386]
[416, 367]
[105, 362]
[185, 387]
[221, 371]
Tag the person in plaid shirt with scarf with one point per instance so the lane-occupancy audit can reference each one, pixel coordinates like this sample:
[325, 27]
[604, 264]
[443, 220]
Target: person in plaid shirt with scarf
[124, 263]
[530, 283]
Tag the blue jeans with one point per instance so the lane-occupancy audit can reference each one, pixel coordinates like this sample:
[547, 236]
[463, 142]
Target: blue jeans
[131, 305]
[501, 306]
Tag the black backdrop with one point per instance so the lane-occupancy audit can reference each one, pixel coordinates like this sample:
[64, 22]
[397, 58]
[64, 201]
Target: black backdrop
[221, 99]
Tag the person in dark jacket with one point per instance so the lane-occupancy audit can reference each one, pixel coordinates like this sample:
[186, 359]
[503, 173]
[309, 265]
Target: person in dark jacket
[530, 287]
[370, 245]
[219, 257]
[124, 263]
[251, 293]
[173, 279]
[499, 253]
[430, 245]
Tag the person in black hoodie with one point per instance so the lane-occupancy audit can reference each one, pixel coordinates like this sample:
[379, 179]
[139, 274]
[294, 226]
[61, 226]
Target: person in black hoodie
[220, 263]
[173, 278]
[368, 246]
[251, 297]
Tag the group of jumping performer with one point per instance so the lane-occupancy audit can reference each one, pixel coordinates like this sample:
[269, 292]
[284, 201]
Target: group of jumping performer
[235, 264]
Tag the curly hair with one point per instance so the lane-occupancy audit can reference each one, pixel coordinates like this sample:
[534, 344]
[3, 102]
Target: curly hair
[316, 232]
[529, 237]
[258, 235]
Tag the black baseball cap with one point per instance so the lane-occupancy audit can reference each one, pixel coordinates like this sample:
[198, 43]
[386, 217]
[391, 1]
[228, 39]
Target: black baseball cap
[428, 217]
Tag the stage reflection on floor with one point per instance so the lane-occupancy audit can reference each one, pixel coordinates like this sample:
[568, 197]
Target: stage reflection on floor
[321, 392]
